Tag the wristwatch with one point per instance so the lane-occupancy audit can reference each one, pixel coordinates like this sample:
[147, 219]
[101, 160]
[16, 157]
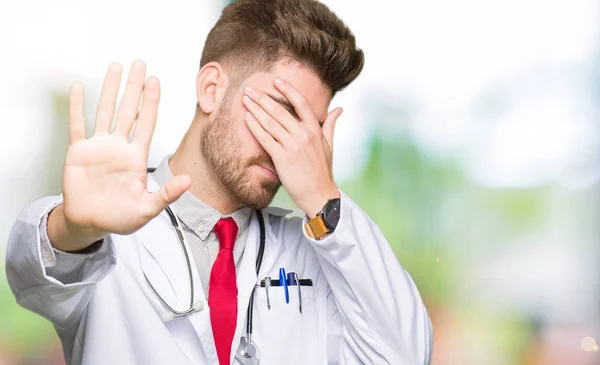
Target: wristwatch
[325, 221]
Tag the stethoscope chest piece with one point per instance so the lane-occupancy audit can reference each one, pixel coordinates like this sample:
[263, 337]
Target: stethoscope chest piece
[247, 352]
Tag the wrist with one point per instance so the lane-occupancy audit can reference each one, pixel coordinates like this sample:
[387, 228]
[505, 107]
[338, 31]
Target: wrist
[318, 201]
[67, 237]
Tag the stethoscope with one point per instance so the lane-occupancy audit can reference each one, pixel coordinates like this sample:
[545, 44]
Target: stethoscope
[247, 352]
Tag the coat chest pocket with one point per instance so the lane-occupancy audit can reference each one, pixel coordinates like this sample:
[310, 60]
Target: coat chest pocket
[283, 334]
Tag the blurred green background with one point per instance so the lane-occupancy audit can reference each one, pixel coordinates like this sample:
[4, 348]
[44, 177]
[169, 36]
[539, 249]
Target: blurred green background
[472, 139]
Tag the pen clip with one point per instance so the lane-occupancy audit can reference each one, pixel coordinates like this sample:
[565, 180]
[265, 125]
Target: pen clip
[267, 282]
[297, 279]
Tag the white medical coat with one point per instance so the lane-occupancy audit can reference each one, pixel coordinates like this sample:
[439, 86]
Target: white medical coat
[363, 307]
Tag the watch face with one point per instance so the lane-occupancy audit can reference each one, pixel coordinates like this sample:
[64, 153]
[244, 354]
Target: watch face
[331, 213]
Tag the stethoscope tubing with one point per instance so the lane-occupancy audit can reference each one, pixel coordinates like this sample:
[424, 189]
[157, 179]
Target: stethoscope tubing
[259, 257]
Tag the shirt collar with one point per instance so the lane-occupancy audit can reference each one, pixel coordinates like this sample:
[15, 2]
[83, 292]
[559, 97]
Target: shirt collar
[194, 213]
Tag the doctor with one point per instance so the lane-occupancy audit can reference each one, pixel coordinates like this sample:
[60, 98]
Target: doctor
[220, 277]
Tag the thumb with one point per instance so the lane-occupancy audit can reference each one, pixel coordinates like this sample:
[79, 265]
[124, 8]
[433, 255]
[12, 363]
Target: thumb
[329, 125]
[168, 193]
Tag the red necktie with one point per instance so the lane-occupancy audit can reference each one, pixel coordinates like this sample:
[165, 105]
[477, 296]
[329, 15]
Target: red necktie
[222, 292]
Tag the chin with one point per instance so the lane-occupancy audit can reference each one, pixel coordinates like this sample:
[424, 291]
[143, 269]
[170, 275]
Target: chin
[256, 190]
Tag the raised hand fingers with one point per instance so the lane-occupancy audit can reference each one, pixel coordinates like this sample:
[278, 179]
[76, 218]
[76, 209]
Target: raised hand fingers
[76, 118]
[167, 194]
[108, 98]
[144, 128]
[130, 103]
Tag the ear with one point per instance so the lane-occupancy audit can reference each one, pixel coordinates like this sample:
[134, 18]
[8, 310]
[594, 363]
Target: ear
[211, 84]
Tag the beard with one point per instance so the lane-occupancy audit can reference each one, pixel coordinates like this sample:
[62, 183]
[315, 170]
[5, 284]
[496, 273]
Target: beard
[221, 145]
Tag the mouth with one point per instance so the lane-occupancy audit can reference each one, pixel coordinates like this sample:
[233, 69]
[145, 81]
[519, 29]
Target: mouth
[270, 172]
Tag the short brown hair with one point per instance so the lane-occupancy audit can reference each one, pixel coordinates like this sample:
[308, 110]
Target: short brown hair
[252, 35]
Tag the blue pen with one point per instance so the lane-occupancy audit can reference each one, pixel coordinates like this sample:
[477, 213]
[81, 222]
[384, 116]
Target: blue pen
[283, 282]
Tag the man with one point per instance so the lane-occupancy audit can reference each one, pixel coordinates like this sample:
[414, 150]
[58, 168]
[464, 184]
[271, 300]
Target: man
[103, 261]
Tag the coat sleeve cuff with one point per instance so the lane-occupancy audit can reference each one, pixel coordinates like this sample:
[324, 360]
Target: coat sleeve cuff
[47, 250]
[50, 254]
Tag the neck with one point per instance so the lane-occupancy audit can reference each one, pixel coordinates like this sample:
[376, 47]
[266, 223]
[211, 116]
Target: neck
[189, 160]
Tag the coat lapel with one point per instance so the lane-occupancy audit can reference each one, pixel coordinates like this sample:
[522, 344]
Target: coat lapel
[164, 261]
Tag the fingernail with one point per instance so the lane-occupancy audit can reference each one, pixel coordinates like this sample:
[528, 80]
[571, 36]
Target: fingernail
[250, 117]
[278, 81]
[248, 90]
[340, 113]
[247, 99]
